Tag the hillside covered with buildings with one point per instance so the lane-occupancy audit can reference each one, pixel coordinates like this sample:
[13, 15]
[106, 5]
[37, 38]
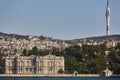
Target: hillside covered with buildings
[86, 56]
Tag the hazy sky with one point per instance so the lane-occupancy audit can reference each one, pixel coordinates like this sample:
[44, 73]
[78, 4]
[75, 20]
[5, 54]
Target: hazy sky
[62, 19]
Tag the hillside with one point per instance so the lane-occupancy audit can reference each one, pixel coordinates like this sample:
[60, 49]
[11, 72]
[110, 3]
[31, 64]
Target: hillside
[97, 38]
[14, 35]
[17, 36]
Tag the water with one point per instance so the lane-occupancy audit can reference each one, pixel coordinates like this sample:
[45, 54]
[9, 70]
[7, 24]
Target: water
[59, 78]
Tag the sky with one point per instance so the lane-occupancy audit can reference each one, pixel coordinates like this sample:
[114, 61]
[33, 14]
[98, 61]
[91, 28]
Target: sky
[61, 19]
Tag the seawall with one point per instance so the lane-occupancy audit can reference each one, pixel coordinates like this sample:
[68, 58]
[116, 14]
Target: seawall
[55, 75]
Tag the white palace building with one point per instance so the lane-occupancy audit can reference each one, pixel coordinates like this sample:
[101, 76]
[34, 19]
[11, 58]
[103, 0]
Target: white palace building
[49, 64]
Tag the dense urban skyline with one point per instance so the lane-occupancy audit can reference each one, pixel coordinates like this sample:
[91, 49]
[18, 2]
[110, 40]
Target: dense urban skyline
[64, 19]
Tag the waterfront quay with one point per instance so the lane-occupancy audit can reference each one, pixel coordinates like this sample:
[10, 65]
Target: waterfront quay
[55, 75]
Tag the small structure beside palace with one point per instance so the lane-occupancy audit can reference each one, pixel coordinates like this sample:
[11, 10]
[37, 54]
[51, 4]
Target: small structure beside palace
[49, 64]
[106, 73]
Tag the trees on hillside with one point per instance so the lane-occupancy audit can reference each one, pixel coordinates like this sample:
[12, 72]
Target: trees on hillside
[114, 59]
[85, 59]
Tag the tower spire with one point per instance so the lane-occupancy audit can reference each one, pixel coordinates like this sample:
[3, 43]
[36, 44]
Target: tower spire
[107, 19]
[107, 2]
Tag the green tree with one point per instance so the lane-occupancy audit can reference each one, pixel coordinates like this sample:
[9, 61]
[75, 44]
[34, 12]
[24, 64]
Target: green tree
[34, 51]
[114, 60]
[60, 71]
[24, 52]
[90, 51]
[71, 64]
[103, 48]
[83, 69]
[118, 46]
[96, 65]
[43, 52]
[74, 51]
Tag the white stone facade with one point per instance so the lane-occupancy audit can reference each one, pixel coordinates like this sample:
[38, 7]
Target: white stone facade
[49, 64]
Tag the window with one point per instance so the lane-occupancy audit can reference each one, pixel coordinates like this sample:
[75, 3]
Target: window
[48, 63]
[26, 69]
[8, 63]
[37, 63]
[18, 64]
[22, 63]
[30, 69]
[27, 63]
[32, 62]
[59, 63]
[41, 70]
[41, 63]
[13, 63]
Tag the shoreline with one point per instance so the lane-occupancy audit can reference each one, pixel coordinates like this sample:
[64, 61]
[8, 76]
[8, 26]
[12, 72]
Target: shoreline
[53, 75]
[50, 76]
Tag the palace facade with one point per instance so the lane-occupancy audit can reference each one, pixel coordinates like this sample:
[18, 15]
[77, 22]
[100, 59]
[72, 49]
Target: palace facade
[49, 64]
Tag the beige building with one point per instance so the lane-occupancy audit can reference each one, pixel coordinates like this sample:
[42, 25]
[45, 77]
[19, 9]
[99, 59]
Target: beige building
[49, 64]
